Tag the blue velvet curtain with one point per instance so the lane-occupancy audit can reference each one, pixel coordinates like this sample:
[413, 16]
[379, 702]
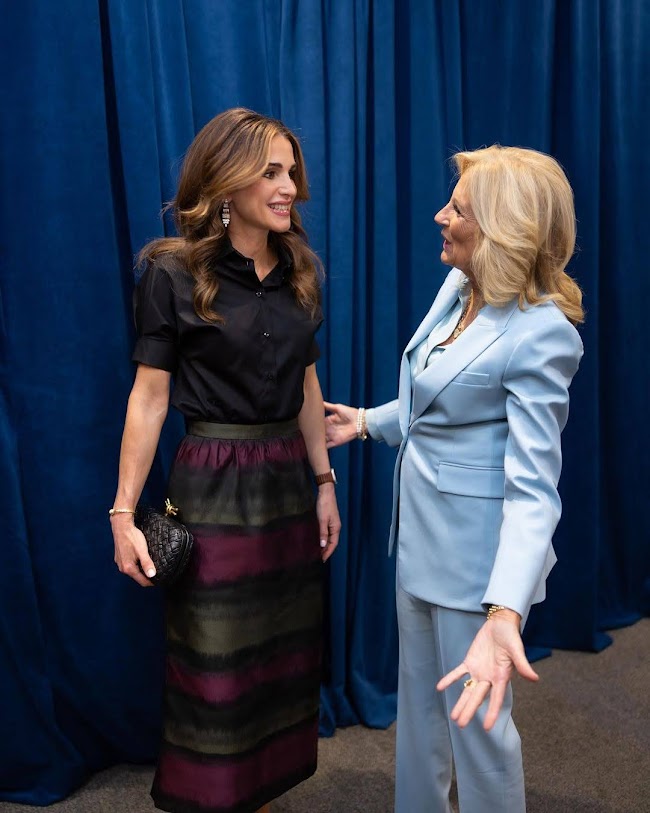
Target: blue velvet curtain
[100, 101]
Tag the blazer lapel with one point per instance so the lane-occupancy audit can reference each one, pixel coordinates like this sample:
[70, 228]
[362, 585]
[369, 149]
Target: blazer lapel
[445, 297]
[484, 330]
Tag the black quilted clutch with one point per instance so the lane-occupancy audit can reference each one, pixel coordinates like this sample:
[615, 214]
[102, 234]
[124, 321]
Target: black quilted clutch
[168, 541]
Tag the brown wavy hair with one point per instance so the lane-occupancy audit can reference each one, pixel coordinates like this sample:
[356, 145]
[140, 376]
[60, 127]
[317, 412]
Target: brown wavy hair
[523, 204]
[230, 153]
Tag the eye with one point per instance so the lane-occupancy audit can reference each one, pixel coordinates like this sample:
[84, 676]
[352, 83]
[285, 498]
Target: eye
[457, 210]
[270, 173]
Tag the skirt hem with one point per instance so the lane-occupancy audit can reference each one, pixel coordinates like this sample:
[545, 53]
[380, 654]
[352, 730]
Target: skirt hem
[170, 805]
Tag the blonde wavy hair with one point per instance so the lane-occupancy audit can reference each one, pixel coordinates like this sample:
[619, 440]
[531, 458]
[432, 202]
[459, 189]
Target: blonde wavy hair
[523, 204]
[230, 153]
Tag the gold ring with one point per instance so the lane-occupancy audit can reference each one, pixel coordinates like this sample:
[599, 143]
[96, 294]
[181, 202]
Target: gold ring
[469, 683]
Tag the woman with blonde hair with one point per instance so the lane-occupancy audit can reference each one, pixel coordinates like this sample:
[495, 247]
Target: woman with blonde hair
[229, 308]
[483, 399]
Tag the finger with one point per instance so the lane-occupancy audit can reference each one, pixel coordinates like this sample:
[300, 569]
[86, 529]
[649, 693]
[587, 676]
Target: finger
[496, 701]
[522, 665]
[133, 571]
[455, 674]
[147, 565]
[478, 693]
[330, 407]
[331, 545]
[461, 703]
[327, 552]
[323, 530]
[144, 561]
[332, 440]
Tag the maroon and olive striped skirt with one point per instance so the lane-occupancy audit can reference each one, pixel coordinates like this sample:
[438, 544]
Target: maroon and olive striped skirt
[243, 624]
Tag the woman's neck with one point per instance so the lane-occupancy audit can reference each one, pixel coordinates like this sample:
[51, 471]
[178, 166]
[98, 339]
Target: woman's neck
[256, 246]
[472, 286]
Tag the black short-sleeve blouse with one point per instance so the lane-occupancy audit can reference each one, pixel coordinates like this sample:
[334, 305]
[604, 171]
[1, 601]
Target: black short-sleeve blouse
[250, 368]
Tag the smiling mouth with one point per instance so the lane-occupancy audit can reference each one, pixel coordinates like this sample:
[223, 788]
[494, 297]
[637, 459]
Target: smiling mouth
[282, 209]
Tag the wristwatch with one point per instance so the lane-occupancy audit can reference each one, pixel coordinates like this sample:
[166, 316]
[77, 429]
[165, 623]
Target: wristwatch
[328, 477]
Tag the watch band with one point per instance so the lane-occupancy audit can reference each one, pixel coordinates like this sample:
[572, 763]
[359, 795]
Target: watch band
[328, 477]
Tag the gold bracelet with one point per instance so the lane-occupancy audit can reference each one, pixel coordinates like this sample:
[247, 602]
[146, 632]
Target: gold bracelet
[113, 511]
[494, 608]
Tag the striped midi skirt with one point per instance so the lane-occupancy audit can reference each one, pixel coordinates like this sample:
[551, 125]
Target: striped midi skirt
[243, 623]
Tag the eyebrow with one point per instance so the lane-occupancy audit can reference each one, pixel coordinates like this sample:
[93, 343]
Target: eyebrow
[279, 166]
[465, 210]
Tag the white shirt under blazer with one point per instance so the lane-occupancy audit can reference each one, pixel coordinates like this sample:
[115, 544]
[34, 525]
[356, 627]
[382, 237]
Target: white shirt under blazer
[475, 500]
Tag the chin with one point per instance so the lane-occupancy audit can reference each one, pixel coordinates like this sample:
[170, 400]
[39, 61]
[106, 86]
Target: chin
[280, 228]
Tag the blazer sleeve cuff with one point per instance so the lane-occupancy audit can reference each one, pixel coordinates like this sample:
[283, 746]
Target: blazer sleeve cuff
[519, 594]
[383, 423]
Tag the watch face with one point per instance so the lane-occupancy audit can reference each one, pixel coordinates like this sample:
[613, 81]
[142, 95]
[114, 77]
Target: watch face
[334, 476]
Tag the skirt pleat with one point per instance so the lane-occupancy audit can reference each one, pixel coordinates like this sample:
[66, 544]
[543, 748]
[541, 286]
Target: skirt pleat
[243, 625]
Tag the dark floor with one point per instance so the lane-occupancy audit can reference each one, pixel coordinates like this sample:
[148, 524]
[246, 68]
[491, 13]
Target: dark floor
[585, 728]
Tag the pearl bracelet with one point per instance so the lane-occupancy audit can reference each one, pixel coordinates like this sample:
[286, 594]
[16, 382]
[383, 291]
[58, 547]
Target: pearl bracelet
[494, 608]
[362, 428]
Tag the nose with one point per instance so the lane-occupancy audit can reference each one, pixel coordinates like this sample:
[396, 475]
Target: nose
[442, 217]
[288, 187]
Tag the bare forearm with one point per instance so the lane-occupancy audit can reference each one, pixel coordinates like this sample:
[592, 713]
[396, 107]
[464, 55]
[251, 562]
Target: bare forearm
[312, 424]
[144, 421]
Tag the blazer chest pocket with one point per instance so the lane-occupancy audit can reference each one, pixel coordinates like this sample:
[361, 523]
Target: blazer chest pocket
[471, 481]
[473, 379]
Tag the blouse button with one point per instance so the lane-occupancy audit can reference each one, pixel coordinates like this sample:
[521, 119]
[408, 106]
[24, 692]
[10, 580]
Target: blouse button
[258, 293]
[266, 335]
[270, 376]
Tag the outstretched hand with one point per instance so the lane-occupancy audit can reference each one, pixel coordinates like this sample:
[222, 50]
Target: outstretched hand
[495, 652]
[340, 424]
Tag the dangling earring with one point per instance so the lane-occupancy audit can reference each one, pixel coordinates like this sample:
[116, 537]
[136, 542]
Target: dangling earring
[225, 214]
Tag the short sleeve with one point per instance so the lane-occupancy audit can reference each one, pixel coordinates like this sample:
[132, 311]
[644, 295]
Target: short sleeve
[155, 320]
[314, 351]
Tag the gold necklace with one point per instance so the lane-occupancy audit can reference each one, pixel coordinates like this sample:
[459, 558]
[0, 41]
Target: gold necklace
[461, 322]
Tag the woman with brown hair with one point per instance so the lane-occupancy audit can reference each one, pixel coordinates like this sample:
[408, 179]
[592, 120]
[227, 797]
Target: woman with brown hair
[229, 309]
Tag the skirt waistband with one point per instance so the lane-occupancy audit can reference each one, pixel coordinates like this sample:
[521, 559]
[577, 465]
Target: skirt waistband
[241, 431]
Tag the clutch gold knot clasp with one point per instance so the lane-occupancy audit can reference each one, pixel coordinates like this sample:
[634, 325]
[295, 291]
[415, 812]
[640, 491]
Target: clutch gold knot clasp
[170, 510]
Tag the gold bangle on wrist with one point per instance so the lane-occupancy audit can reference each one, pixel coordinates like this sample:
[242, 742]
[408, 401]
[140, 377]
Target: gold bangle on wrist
[494, 608]
[113, 511]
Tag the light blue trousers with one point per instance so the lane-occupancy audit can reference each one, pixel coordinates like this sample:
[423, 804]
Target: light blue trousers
[489, 773]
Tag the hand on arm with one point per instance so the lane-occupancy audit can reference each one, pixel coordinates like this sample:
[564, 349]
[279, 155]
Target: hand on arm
[312, 426]
[340, 424]
[495, 652]
[145, 415]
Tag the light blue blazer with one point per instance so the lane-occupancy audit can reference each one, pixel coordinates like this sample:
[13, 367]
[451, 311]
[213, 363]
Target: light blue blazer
[475, 501]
